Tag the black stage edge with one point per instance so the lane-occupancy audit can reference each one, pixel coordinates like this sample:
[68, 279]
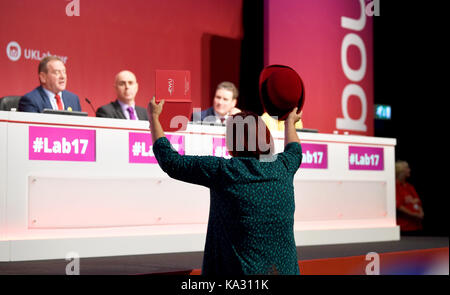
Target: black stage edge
[184, 263]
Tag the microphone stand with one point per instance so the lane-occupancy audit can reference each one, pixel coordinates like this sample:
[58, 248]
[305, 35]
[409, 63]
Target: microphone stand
[90, 103]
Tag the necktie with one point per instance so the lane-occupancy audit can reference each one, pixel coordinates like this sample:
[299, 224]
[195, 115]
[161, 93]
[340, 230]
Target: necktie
[58, 102]
[131, 111]
[222, 120]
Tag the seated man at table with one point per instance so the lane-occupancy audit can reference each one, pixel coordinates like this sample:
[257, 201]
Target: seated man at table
[124, 106]
[51, 94]
[224, 105]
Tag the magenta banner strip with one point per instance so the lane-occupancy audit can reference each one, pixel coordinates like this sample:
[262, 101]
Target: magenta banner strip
[140, 148]
[314, 156]
[61, 144]
[365, 158]
[220, 148]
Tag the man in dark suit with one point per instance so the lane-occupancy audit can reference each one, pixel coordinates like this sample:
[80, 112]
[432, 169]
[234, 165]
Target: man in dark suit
[124, 106]
[51, 94]
[224, 104]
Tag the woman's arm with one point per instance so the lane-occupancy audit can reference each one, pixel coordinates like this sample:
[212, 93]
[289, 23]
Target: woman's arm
[290, 133]
[200, 170]
[154, 110]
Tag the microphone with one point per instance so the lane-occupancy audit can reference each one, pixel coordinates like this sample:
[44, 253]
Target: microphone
[90, 103]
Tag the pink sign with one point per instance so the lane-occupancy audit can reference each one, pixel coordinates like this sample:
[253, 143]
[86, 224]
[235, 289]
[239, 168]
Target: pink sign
[140, 148]
[61, 144]
[365, 158]
[326, 38]
[314, 156]
[220, 148]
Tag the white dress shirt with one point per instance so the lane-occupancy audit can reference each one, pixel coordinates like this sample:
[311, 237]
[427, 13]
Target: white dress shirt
[124, 107]
[218, 121]
[51, 97]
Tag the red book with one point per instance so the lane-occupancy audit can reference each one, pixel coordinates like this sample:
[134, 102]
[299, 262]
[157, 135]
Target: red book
[174, 86]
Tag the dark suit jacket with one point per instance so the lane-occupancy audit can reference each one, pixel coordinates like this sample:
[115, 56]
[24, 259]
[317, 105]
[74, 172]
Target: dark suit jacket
[207, 114]
[37, 100]
[113, 110]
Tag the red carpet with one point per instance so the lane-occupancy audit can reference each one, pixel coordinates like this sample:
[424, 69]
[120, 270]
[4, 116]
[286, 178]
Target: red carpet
[414, 262]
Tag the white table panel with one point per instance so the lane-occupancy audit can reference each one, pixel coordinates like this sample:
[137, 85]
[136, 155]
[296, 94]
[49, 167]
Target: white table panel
[113, 207]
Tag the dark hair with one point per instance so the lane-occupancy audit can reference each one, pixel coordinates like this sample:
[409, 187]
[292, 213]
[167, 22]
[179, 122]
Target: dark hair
[248, 136]
[43, 63]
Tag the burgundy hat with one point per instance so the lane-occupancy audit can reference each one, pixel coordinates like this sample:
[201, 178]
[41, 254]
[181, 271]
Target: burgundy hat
[281, 89]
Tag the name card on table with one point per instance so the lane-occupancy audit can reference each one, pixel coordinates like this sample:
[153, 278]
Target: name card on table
[365, 158]
[140, 147]
[314, 156]
[220, 148]
[61, 144]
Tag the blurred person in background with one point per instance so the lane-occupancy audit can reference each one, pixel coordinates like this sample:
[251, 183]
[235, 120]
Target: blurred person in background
[408, 204]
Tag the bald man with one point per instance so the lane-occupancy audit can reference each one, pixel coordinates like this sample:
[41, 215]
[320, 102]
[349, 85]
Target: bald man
[124, 106]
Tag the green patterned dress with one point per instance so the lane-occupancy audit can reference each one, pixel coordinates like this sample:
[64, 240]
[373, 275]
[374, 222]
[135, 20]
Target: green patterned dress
[251, 217]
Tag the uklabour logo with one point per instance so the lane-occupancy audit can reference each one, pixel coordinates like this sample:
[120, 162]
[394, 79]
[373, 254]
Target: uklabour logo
[13, 51]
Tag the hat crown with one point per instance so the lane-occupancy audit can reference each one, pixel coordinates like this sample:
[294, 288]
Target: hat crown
[284, 87]
[281, 89]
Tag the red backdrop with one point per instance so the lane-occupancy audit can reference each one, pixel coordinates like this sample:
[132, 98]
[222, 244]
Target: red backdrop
[113, 35]
[313, 37]
[333, 56]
